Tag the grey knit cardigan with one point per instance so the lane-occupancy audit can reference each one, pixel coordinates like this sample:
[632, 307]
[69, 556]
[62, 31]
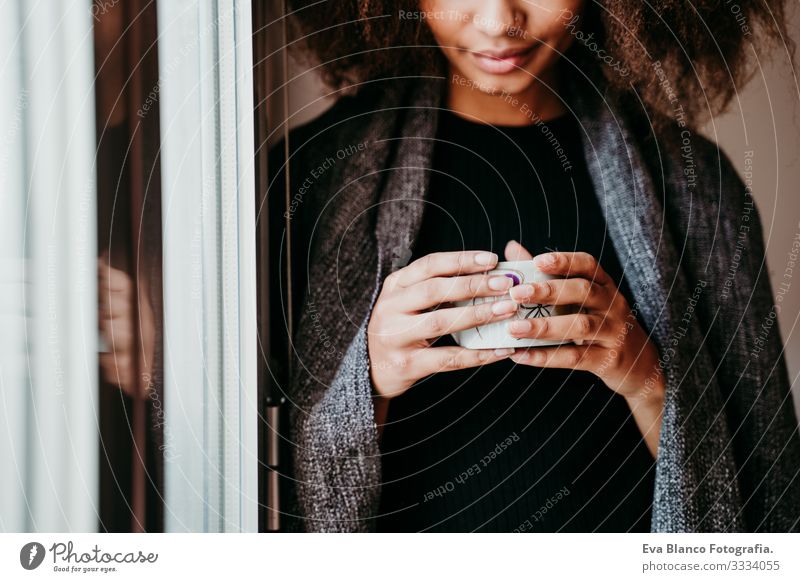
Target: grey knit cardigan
[689, 239]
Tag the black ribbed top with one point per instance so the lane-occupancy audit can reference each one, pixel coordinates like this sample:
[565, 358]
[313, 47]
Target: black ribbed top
[511, 447]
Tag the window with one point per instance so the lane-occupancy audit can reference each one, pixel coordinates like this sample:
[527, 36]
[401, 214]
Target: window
[180, 170]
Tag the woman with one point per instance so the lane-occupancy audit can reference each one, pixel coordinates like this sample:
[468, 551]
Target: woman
[561, 132]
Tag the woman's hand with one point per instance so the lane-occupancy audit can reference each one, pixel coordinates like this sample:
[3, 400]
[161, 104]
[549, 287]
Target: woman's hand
[401, 328]
[613, 345]
[118, 366]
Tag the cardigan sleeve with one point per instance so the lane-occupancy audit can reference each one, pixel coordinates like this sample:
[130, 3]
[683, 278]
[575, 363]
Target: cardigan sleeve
[754, 377]
[333, 474]
[336, 457]
[336, 445]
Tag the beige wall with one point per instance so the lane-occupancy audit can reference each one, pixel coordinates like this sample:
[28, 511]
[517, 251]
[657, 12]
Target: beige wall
[763, 119]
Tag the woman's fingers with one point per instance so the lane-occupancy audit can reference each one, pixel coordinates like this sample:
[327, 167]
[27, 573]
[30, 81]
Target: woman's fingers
[442, 264]
[444, 321]
[449, 358]
[114, 280]
[577, 326]
[433, 292]
[434, 324]
[516, 252]
[416, 364]
[116, 305]
[577, 291]
[588, 358]
[121, 371]
[118, 332]
[572, 265]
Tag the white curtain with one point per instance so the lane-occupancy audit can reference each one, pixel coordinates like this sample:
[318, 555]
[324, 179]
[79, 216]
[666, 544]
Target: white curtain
[48, 268]
[205, 99]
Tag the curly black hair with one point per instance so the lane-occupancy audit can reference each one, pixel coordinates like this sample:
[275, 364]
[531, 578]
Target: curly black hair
[692, 53]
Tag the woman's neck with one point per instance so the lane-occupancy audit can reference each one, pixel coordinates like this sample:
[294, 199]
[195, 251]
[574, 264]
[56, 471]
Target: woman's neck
[538, 103]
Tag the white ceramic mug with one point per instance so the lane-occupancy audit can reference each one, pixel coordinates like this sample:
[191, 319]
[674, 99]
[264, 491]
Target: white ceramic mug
[495, 335]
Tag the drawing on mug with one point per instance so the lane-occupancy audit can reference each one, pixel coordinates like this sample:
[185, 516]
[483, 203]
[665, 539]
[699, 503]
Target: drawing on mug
[538, 310]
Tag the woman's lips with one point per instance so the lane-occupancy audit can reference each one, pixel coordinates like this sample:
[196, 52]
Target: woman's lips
[501, 62]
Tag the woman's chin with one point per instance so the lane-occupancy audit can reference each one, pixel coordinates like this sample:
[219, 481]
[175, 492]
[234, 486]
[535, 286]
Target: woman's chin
[509, 84]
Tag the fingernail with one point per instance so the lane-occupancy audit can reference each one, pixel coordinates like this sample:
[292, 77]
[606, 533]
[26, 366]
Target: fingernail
[521, 356]
[500, 283]
[485, 258]
[544, 260]
[522, 291]
[501, 307]
[504, 351]
[520, 326]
